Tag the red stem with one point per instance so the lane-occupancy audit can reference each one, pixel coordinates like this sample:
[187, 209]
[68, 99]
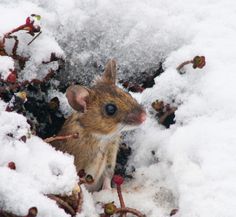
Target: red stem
[16, 30]
[81, 200]
[183, 64]
[121, 199]
[130, 210]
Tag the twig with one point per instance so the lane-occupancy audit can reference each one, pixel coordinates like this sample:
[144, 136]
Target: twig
[119, 181]
[182, 65]
[53, 58]
[56, 138]
[14, 49]
[6, 214]
[2, 48]
[130, 210]
[121, 199]
[22, 27]
[81, 200]
[197, 62]
[32, 212]
[71, 204]
[34, 38]
[62, 204]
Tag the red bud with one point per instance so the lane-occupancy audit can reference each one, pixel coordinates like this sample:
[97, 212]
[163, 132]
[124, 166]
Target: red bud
[33, 211]
[23, 139]
[12, 165]
[81, 173]
[12, 77]
[173, 212]
[118, 179]
[89, 179]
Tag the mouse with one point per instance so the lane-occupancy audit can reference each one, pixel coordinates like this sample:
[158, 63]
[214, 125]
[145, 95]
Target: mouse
[101, 113]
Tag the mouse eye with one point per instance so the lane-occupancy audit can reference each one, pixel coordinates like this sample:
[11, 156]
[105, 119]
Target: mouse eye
[110, 109]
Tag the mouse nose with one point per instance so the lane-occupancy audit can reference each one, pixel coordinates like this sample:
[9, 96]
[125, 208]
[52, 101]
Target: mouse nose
[136, 117]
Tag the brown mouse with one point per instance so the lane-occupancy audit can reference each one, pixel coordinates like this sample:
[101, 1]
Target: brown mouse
[102, 112]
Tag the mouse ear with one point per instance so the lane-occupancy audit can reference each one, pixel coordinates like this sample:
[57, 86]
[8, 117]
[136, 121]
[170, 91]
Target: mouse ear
[109, 74]
[77, 96]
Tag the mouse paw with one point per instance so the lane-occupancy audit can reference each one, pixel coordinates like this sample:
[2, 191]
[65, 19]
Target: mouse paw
[106, 184]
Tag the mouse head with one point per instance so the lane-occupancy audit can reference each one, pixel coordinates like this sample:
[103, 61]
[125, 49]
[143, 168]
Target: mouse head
[105, 108]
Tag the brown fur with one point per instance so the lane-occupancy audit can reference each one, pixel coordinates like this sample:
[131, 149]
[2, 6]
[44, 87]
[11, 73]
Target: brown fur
[96, 148]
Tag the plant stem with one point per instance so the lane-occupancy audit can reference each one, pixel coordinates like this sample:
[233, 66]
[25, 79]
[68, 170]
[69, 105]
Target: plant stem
[130, 210]
[121, 199]
[183, 64]
[34, 38]
[62, 204]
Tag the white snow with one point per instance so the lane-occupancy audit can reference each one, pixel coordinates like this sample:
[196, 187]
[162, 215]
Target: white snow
[14, 14]
[196, 172]
[39, 169]
[6, 63]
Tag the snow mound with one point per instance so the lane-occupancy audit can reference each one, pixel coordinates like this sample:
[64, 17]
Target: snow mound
[39, 169]
[198, 152]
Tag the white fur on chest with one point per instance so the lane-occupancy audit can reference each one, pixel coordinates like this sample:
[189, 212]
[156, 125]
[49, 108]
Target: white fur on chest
[105, 140]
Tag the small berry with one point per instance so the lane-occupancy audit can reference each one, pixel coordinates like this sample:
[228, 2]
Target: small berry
[54, 104]
[28, 21]
[109, 208]
[10, 135]
[199, 62]
[33, 211]
[126, 84]
[12, 165]
[81, 173]
[118, 179]
[158, 105]
[12, 77]
[23, 139]
[173, 212]
[89, 179]
[22, 95]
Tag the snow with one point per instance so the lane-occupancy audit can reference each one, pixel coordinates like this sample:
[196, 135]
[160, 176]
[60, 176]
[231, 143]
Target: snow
[196, 168]
[39, 169]
[14, 14]
[6, 63]
[64, 105]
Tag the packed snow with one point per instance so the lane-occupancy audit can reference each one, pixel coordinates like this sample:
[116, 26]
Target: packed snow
[194, 164]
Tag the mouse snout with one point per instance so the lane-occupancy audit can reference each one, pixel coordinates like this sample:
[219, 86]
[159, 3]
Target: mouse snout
[136, 117]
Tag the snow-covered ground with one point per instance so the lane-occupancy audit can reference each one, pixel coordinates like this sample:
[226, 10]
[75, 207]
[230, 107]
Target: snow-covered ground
[197, 163]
